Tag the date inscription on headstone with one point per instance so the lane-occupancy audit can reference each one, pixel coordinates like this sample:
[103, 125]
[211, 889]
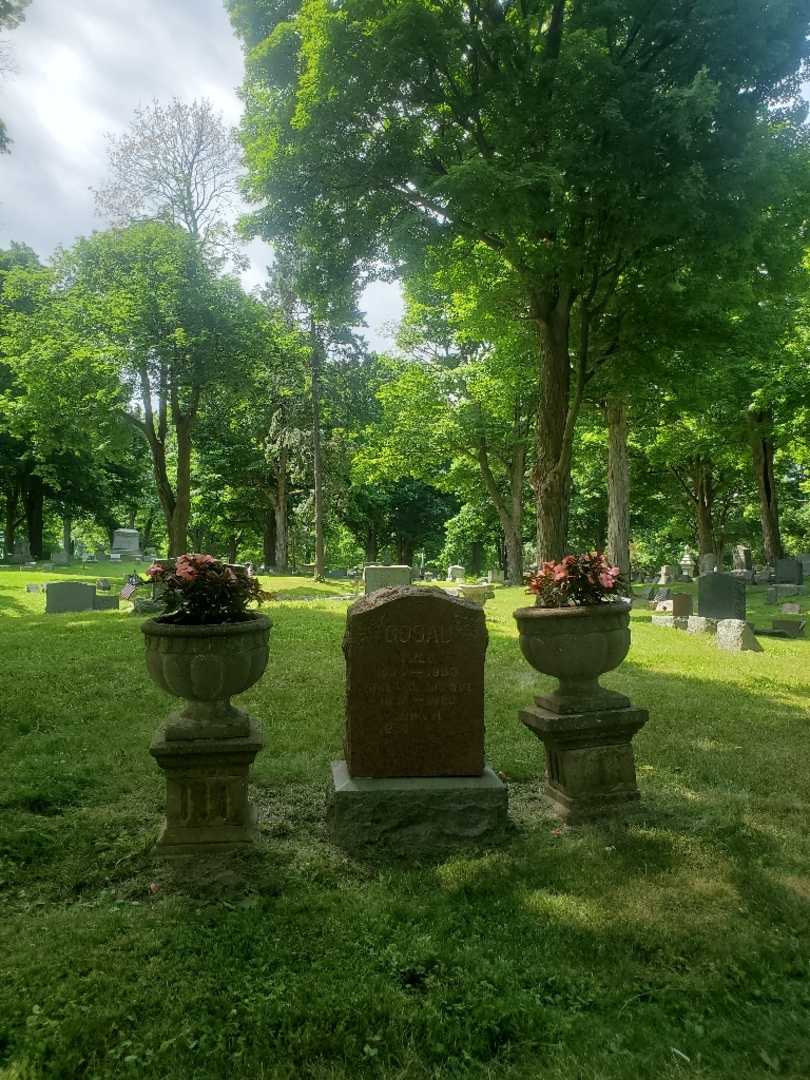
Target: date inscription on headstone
[414, 684]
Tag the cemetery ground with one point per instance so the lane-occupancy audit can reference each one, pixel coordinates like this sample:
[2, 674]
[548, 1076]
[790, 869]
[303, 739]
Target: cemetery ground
[674, 944]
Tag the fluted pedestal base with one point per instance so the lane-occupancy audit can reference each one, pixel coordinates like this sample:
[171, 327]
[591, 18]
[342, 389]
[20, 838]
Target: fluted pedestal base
[207, 807]
[590, 768]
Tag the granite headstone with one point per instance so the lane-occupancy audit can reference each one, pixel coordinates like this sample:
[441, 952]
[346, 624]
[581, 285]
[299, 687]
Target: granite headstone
[721, 596]
[415, 685]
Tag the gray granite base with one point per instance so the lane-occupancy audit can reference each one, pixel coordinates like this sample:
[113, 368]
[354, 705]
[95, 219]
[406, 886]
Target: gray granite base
[418, 812]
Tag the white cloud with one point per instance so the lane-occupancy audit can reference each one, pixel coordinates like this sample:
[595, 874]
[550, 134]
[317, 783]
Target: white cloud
[82, 71]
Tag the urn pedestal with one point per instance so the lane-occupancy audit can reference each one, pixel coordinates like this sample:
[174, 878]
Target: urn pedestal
[207, 747]
[586, 729]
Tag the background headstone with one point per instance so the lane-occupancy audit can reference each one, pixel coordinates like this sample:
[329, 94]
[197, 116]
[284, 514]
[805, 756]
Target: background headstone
[385, 577]
[697, 624]
[788, 572]
[707, 563]
[667, 574]
[741, 557]
[495, 577]
[681, 605]
[456, 573]
[721, 596]
[414, 685]
[62, 596]
[126, 542]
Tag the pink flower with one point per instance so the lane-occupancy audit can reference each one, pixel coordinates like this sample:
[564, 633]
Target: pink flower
[560, 574]
[154, 570]
[607, 581]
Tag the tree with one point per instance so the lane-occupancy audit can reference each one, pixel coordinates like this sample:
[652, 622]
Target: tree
[177, 162]
[573, 140]
[135, 323]
[12, 13]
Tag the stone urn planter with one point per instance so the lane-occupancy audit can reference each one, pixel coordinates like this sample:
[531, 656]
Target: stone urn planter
[206, 747]
[586, 730]
[206, 666]
[576, 645]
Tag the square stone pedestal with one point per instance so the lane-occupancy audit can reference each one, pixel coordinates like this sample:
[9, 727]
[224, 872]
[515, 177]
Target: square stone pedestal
[207, 806]
[590, 769]
[421, 812]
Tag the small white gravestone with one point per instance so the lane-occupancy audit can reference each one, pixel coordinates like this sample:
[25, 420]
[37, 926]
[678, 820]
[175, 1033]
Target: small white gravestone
[456, 573]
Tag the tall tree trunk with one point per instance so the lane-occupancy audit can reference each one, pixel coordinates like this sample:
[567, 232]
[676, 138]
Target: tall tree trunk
[131, 518]
[269, 538]
[34, 500]
[67, 528]
[320, 569]
[511, 515]
[11, 515]
[372, 553]
[618, 485]
[148, 525]
[476, 557]
[233, 547]
[556, 414]
[182, 490]
[760, 430]
[704, 497]
[282, 532]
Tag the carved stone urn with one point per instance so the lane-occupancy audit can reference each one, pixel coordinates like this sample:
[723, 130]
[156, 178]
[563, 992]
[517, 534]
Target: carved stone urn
[206, 747]
[586, 730]
[576, 645]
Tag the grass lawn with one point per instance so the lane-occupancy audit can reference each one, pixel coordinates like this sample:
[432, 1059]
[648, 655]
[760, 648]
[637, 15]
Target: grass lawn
[676, 944]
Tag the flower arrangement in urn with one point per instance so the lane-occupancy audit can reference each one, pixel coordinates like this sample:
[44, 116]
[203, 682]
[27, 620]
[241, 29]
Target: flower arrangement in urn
[199, 590]
[580, 580]
[578, 628]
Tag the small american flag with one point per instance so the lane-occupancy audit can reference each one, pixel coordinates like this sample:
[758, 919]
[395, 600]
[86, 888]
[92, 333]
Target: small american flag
[128, 590]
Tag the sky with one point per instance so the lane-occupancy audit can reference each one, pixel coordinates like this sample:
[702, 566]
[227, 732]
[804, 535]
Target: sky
[83, 67]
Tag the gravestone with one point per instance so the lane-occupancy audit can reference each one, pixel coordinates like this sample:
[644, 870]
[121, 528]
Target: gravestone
[33, 588]
[681, 605]
[721, 596]
[779, 592]
[103, 584]
[101, 554]
[736, 635]
[741, 557]
[697, 624]
[791, 609]
[687, 564]
[105, 603]
[414, 771]
[790, 628]
[670, 621]
[667, 574]
[707, 563]
[126, 542]
[788, 572]
[385, 577]
[495, 577]
[456, 573]
[60, 558]
[804, 559]
[62, 596]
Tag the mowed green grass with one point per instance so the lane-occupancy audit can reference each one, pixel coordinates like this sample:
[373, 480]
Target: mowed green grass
[676, 944]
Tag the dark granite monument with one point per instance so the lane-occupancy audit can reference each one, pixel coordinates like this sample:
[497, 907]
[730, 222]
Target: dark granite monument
[414, 741]
[721, 596]
[788, 572]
